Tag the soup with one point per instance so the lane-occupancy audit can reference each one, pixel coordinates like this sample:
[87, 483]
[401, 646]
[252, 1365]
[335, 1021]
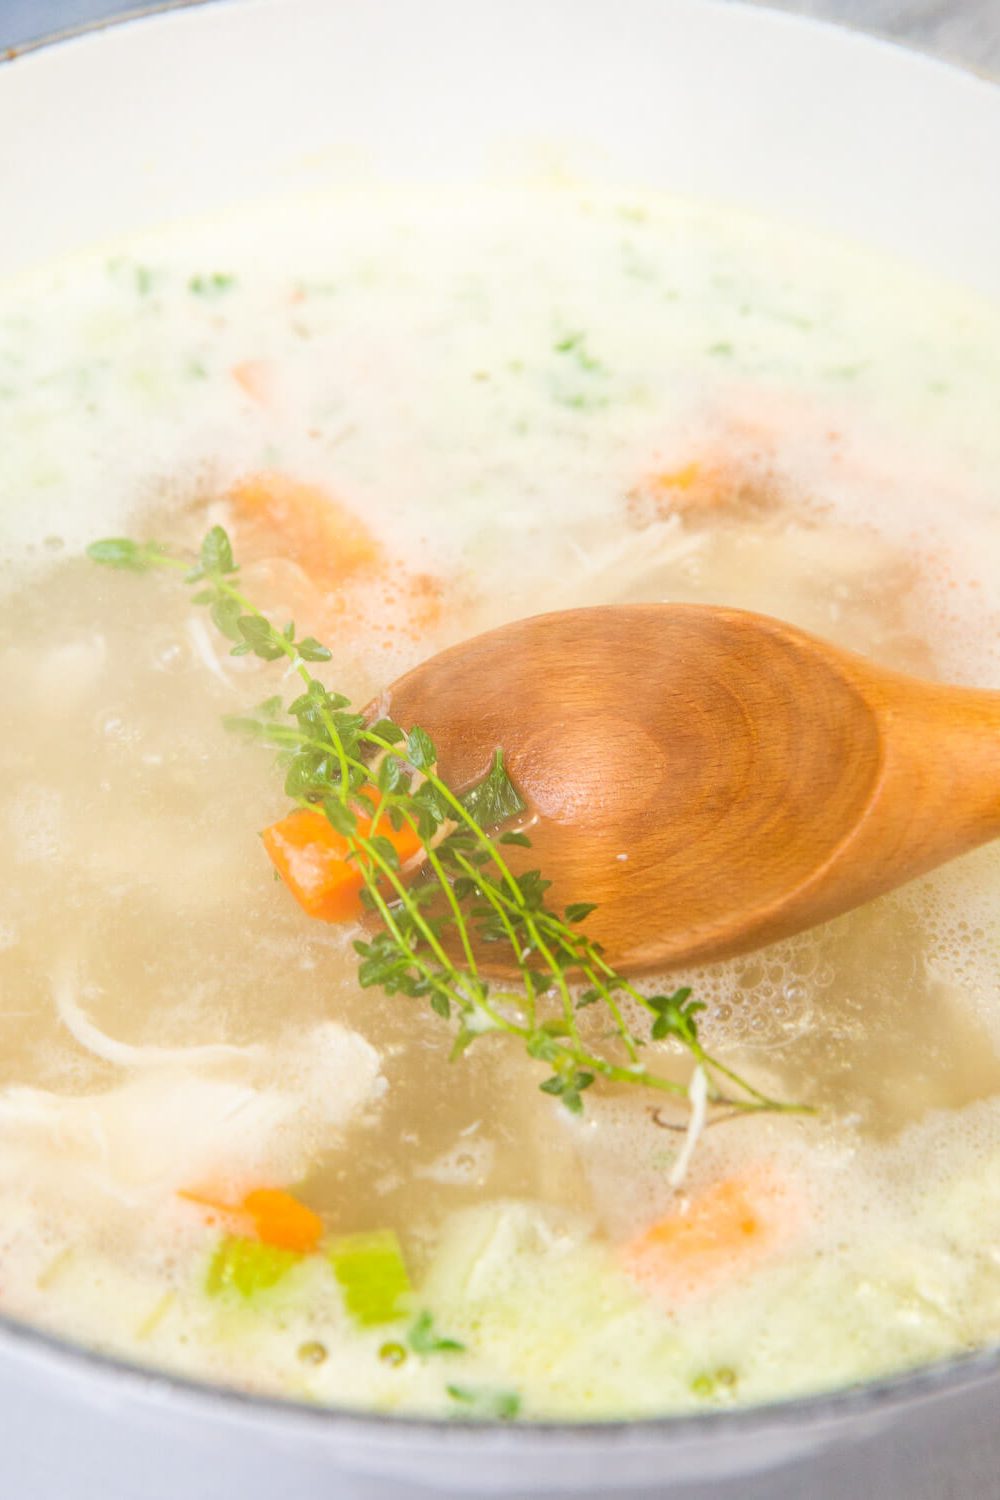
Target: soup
[415, 417]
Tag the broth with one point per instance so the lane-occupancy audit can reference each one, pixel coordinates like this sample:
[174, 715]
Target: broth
[492, 407]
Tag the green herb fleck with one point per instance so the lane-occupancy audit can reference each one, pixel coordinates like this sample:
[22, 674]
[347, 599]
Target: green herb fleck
[485, 1403]
[577, 400]
[214, 285]
[423, 1339]
[575, 344]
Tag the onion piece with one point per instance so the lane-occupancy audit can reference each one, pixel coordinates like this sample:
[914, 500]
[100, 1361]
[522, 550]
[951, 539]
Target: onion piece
[698, 1096]
[127, 1054]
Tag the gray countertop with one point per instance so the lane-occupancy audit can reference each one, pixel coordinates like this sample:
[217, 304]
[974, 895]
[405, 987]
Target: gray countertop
[965, 31]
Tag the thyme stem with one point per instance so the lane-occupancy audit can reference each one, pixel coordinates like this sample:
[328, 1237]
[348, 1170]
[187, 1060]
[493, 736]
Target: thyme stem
[472, 896]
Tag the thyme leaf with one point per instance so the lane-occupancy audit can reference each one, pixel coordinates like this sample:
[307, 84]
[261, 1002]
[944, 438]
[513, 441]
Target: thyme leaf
[495, 799]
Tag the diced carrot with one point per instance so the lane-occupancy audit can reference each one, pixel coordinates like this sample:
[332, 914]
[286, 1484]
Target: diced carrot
[282, 1220]
[311, 858]
[302, 522]
[695, 486]
[706, 488]
[255, 377]
[276, 1217]
[727, 1230]
[676, 479]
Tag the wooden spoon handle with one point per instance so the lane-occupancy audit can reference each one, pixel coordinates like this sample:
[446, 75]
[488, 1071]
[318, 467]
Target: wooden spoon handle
[939, 794]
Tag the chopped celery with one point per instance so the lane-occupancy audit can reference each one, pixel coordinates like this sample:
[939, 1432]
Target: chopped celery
[247, 1267]
[372, 1275]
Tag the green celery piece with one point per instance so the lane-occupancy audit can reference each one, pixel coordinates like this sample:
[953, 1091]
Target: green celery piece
[247, 1267]
[372, 1275]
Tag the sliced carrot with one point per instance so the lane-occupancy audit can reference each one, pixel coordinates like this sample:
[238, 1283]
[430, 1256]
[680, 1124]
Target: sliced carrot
[277, 1218]
[285, 517]
[311, 858]
[727, 1230]
[255, 377]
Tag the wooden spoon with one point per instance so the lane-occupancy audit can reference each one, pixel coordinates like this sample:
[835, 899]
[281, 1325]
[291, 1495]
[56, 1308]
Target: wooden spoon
[713, 779]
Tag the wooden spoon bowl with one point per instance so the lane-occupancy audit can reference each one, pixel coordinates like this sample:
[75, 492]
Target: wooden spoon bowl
[713, 779]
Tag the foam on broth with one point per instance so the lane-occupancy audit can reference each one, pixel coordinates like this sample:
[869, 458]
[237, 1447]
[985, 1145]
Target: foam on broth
[530, 401]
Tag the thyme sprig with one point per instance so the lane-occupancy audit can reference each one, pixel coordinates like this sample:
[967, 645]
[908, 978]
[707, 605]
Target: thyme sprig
[431, 926]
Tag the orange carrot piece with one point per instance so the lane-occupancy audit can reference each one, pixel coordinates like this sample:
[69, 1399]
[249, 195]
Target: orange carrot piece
[276, 1217]
[303, 523]
[730, 1228]
[677, 479]
[311, 858]
[282, 1220]
[255, 377]
[694, 487]
[704, 488]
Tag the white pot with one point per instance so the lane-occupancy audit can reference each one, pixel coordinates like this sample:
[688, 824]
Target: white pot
[182, 113]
